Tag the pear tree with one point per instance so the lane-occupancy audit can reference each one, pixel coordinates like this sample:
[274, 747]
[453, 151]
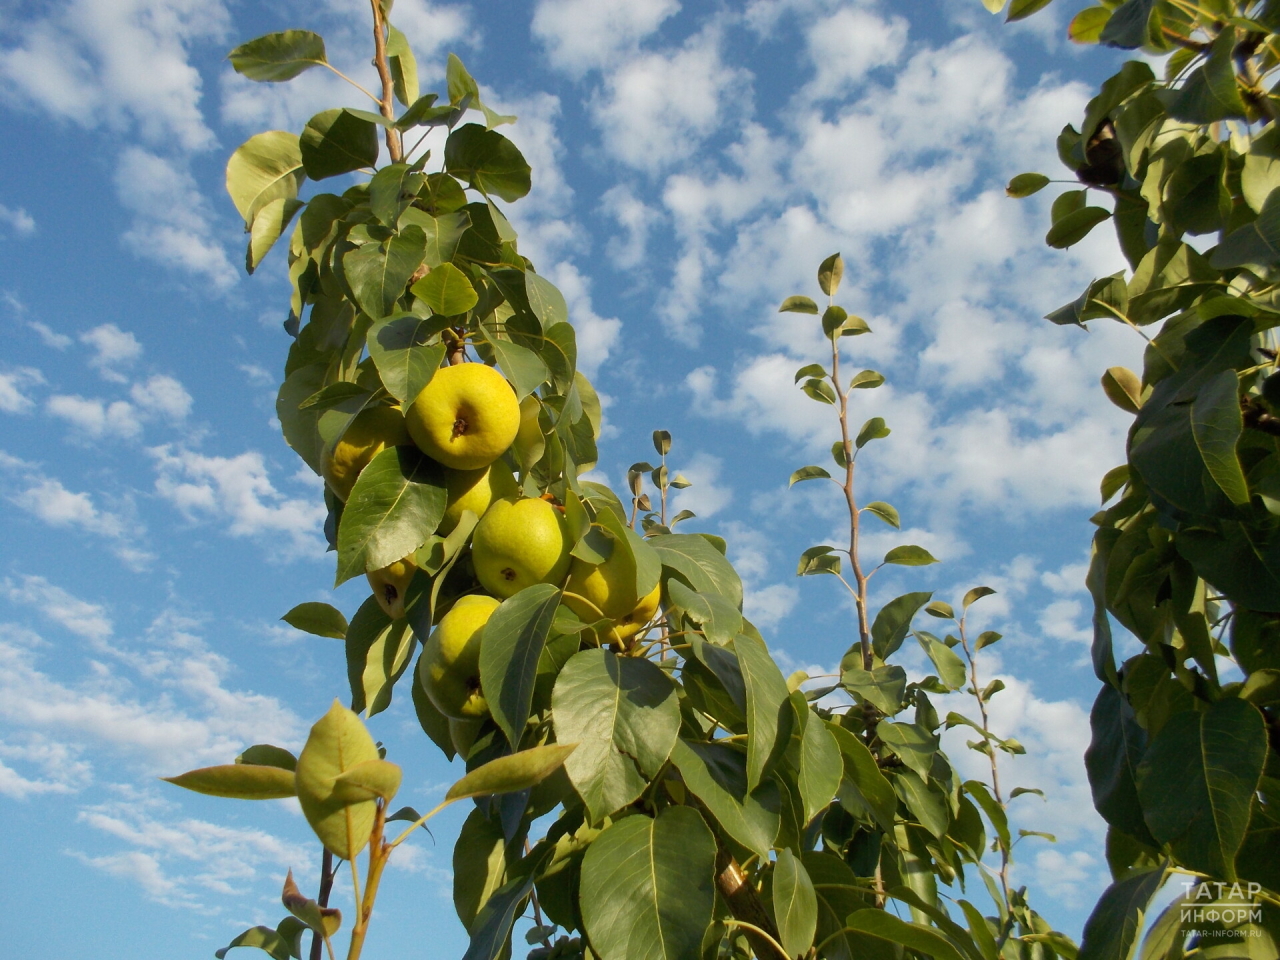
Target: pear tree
[1180, 152]
[583, 654]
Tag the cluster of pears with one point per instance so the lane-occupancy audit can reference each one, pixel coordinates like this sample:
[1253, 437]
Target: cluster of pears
[466, 418]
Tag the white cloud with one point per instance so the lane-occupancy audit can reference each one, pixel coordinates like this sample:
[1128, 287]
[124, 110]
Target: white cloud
[57, 768]
[163, 396]
[122, 63]
[46, 499]
[112, 348]
[582, 35]
[49, 336]
[706, 496]
[88, 620]
[658, 107]
[96, 419]
[18, 220]
[846, 45]
[596, 335]
[13, 398]
[171, 218]
[238, 490]
[636, 220]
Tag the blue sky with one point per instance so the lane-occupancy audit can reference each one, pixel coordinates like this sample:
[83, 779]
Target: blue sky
[692, 165]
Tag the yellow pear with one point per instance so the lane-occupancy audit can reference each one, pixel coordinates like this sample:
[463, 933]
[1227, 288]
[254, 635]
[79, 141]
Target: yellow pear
[627, 627]
[518, 543]
[372, 431]
[466, 417]
[390, 585]
[474, 490]
[609, 589]
[450, 664]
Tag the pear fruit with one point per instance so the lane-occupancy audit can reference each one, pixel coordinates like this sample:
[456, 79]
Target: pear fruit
[627, 627]
[609, 589]
[372, 431]
[450, 666]
[391, 583]
[518, 543]
[466, 417]
[474, 490]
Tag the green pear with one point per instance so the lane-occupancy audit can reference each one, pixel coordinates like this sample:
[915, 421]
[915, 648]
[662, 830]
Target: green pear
[518, 543]
[474, 490]
[450, 666]
[391, 583]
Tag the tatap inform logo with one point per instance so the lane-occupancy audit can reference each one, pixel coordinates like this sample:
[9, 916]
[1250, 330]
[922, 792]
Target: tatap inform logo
[1209, 906]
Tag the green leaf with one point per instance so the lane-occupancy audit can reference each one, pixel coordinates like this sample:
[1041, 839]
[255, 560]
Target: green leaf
[269, 222]
[443, 233]
[370, 780]
[1210, 94]
[624, 714]
[798, 305]
[1112, 759]
[910, 556]
[1025, 184]
[976, 594]
[322, 619]
[819, 390]
[512, 773]
[323, 920]
[1112, 929]
[854, 326]
[1217, 424]
[338, 741]
[830, 272]
[885, 926]
[463, 88]
[795, 904]
[399, 347]
[769, 714]
[940, 609]
[336, 142]
[545, 300]
[404, 67]
[265, 939]
[479, 866]
[488, 161]
[872, 790]
[873, 429]
[992, 808]
[717, 775]
[1196, 782]
[885, 512]
[951, 669]
[893, 622]
[1127, 27]
[866, 380]
[693, 559]
[264, 168]
[391, 190]
[446, 290]
[812, 370]
[647, 886]
[378, 651]
[925, 802]
[513, 640]
[1021, 9]
[268, 755]
[833, 319]
[1075, 226]
[883, 686]
[818, 560]
[808, 473]
[1087, 25]
[239, 781]
[396, 504]
[278, 56]
[720, 620]
[378, 273]
[912, 744]
[524, 368]
[821, 767]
